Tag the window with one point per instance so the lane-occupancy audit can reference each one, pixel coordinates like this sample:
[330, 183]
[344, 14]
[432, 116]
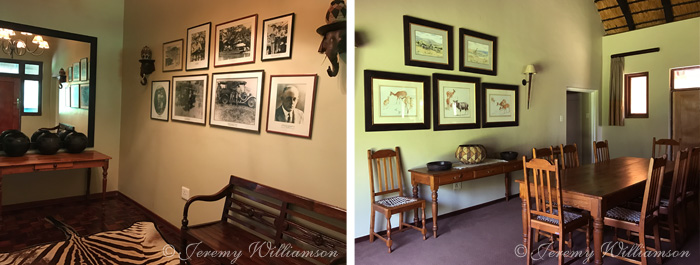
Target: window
[685, 77]
[30, 74]
[637, 95]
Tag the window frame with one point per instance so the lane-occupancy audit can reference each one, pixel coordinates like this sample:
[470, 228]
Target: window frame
[23, 76]
[628, 78]
[672, 74]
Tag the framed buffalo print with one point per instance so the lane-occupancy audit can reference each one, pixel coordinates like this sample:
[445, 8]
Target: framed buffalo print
[235, 41]
[291, 106]
[160, 100]
[189, 98]
[172, 56]
[197, 53]
[277, 37]
[456, 102]
[396, 101]
[478, 52]
[427, 43]
[500, 105]
[235, 100]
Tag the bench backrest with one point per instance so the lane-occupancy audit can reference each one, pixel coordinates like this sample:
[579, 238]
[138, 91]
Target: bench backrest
[289, 221]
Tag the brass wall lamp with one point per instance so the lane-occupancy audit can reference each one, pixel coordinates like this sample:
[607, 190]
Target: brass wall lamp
[147, 64]
[529, 71]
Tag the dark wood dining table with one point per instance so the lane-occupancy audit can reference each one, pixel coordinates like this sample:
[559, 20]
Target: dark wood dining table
[598, 188]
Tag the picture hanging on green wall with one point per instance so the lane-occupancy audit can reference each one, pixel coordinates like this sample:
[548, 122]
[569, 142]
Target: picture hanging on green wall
[500, 108]
[395, 101]
[427, 43]
[478, 52]
[456, 102]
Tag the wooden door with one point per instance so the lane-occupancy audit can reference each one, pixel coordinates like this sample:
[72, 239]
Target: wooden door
[686, 110]
[9, 103]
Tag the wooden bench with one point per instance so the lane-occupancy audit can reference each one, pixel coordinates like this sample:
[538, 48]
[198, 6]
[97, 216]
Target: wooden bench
[264, 225]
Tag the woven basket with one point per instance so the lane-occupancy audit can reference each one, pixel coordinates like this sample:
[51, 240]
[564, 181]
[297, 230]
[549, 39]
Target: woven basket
[471, 153]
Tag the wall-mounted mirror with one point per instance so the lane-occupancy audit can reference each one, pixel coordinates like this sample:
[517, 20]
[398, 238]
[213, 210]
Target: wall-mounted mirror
[71, 102]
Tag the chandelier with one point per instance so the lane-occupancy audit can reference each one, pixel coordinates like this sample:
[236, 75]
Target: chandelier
[18, 45]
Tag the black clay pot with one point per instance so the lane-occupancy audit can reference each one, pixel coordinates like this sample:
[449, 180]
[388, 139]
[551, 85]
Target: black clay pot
[62, 134]
[75, 142]
[5, 133]
[48, 143]
[35, 136]
[15, 143]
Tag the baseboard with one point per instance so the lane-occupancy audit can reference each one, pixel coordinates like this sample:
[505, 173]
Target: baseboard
[429, 221]
[157, 218]
[73, 199]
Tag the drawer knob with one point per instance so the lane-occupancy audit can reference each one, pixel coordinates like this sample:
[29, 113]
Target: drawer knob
[55, 165]
[457, 177]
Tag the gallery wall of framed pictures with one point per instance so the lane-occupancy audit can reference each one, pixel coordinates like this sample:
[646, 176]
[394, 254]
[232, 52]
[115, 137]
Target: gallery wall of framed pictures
[77, 84]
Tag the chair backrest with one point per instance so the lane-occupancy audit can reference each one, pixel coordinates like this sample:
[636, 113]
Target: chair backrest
[546, 153]
[547, 193]
[664, 147]
[652, 191]
[691, 183]
[601, 151]
[680, 174]
[385, 173]
[569, 156]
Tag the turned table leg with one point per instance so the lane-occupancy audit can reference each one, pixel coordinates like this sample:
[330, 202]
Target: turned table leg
[104, 179]
[507, 185]
[87, 187]
[435, 209]
[415, 211]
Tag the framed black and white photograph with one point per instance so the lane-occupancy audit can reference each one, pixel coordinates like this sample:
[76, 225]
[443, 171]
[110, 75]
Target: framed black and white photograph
[235, 41]
[427, 43]
[198, 47]
[75, 96]
[76, 71]
[291, 104]
[172, 55]
[396, 101]
[277, 37]
[160, 100]
[478, 52]
[500, 105]
[84, 69]
[189, 98]
[84, 96]
[235, 100]
[456, 102]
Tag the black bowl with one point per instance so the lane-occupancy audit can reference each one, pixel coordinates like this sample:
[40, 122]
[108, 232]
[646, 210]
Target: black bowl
[509, 155]
[439, 165]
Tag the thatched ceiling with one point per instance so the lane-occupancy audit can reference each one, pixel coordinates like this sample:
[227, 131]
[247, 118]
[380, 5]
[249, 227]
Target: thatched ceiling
[626, 15]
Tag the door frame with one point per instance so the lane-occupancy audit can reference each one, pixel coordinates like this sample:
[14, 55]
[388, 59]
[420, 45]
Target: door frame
[593, 95]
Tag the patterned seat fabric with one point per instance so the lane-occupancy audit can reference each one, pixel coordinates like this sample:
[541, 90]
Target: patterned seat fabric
[568, 217]
[395, 201]
[663, 203]
[624, 214]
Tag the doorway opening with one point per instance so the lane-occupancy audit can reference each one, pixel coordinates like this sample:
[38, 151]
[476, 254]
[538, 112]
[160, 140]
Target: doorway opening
[581, 120]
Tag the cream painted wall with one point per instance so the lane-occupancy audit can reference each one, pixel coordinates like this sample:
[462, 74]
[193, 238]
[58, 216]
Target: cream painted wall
[679, 42]
[67, 53]
[159, 157]
[104, 20]
[563, 38]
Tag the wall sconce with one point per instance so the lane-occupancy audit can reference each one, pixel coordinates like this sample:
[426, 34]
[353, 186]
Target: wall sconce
[147, 64]
[61, 78]
[529, 70]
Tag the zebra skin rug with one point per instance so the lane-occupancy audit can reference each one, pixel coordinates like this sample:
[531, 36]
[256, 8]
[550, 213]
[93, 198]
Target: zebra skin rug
[139, 244]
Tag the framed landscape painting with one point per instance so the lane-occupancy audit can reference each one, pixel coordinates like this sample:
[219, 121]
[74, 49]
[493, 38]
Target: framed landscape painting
[277, 37]
[396, 101]
[478, 52]
[291, 104]
[198, 47]
[235, 41]
[160, 100]
[172, 55]
[500, 107]
[456, 102]
[427, 43]
[235, 99]
[189, 98]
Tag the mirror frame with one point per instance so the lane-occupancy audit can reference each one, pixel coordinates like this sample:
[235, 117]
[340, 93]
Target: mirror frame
[92, 64]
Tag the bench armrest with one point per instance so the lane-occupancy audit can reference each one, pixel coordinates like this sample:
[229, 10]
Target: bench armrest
[226, 191]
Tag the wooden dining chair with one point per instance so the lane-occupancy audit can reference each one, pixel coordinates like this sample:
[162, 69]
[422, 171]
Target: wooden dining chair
[546, 212]
[643, 220]
[601, 151]
[386, 176]
[569, 156]
[546, 153]
[672, 206]
[692, 187]
[664, 147]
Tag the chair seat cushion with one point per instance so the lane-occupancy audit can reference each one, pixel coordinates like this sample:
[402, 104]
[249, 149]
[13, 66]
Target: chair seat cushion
[624, 214]
[568, 217]
[663, 202]
[396, 201]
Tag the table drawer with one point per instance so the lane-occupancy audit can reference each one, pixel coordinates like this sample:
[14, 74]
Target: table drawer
[54, 166]
[512, 167]
[442, 180]
[488, 172]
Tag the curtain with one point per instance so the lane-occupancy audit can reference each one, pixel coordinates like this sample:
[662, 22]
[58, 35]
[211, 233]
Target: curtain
[617, 107]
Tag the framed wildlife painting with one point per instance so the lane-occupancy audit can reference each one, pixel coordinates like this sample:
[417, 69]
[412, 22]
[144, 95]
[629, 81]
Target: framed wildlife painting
[291, 104]
[277, 37]
[235, 41]
[395, 101]
[84, 102]
[456, 102]
[160, 100]
[76, 72]
[427, 43]
[198, 47]
[478, 52]
[500, 107]
[189, 98]
[84, 69]
[235, 99]
[172, 55]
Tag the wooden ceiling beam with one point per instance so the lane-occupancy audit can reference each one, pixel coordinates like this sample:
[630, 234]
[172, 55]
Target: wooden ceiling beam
[625, 8]
[612, 18]
[668, 10]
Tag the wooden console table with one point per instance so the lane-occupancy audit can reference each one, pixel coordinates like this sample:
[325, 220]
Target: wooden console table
[435, 179]
[59, 161]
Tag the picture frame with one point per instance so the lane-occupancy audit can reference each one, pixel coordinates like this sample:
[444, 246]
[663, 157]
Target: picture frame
[277, 36]
[160, 100]
[236, 100]
[172, 55]
[75, 96]
[84, 69]
[298, 120]
[500, 106]
[66, 95]
[428, 43]
[69, 74]
[235, 41]
[84, 99]
[76, 71]
[197, 53]
[189, 98]
[478, 52]
[456, 102]
[396, 101]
